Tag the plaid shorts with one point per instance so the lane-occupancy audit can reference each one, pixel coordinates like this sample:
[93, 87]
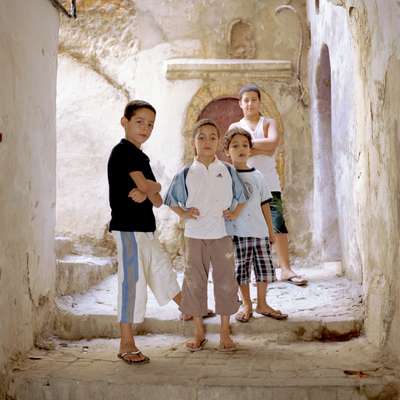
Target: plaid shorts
[253, 251]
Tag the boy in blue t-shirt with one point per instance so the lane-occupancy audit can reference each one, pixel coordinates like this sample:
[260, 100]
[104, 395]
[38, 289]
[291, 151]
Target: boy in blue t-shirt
[252, 229]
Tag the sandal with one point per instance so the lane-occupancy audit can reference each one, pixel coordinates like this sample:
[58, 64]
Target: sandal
[296, 280]
[274, 314]
[185, 318]
[242, 316]
[200, 346]
[123, 357]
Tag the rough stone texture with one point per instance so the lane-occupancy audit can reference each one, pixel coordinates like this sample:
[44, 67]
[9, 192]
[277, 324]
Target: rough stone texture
[365, 136]
[28, 60]
[63, 246]
[329, 308]
[128, 46]
[261, 369]
[76, 274]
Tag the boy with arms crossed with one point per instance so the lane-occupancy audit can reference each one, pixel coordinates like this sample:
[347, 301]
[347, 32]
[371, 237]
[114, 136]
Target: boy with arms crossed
[266, 139]
[202, 195]
[252, 229]
[133, 191]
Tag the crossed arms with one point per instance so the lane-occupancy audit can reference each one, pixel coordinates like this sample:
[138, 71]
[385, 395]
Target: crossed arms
[267, 145]
[145, 189]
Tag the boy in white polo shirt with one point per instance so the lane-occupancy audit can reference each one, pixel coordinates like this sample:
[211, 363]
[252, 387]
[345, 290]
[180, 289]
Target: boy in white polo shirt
[203, 194]
[252, 230]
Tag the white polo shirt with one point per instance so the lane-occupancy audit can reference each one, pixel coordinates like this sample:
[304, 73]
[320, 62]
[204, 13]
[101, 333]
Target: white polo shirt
[210, 191]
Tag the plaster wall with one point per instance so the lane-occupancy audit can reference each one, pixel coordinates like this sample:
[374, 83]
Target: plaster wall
[377, 32]
[326, 26]
[371, 184]
[28, 64]
[89, 110]
[132, 61]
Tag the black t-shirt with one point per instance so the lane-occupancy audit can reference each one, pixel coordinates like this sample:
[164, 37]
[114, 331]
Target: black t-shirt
[127, 215]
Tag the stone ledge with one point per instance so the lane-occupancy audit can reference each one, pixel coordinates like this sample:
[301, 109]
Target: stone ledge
[193, 68]
[329, 308]
[260, 369]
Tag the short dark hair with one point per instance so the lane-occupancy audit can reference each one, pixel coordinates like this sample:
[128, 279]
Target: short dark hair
[249, 87]
[204, 122]
[135, 105]
[231, 133]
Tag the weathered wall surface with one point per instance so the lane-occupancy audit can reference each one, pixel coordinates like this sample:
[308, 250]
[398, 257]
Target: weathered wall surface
[326, 27]
[28, 63]
[89, 110]
[128, 42]
[376, 29]
[365, 112]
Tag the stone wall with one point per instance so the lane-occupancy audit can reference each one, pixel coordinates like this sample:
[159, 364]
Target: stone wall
[129, 51]
[365, 137]
[28, 59]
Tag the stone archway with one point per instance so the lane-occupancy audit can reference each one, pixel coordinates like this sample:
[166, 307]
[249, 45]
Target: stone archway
[326, 227]
[213, 91]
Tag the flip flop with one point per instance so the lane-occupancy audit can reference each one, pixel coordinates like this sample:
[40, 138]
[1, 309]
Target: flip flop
[241, 317]
[123, 357]
[296, 280]
[276, 314]
[222, 349]
[210, 314]
[200, 347]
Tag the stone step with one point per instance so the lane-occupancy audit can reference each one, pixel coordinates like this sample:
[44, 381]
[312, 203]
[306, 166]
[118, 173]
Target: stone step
[77, 274]
[64, 246]
[329, 308]
[261, 369]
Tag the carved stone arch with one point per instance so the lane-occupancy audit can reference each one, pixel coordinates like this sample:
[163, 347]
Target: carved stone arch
[212, 90]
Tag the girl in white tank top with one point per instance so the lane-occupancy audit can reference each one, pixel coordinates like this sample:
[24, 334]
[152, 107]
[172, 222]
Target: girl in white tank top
[265, 164]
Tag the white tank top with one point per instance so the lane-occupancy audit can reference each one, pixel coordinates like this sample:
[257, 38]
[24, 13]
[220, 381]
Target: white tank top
[265, 164]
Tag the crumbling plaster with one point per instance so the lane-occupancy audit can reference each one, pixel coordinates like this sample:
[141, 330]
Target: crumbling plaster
[28, 60]
[164, 30]
[365, 110]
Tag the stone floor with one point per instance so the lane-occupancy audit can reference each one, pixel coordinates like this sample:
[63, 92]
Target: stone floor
[261, 369]
[329, 307]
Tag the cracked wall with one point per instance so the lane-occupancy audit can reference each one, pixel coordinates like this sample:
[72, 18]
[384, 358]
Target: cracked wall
[365, 104]
[128, 50]
[28, 60]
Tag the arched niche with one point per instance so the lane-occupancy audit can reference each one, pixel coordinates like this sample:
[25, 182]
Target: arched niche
[241, 42]
[326, 225]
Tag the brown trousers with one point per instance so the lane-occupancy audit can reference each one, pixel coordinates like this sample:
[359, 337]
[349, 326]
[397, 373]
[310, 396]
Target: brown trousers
[199, 254]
